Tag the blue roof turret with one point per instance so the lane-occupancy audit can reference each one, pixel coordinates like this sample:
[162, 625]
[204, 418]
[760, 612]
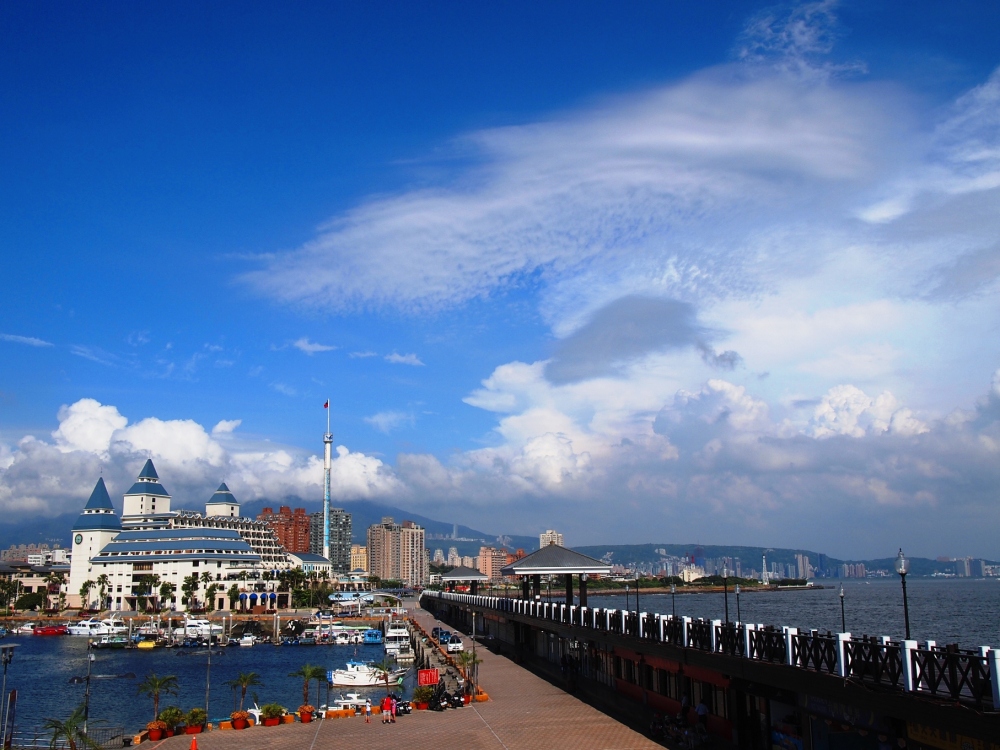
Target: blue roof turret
[223, 495]
[149, 471]
[99, 498]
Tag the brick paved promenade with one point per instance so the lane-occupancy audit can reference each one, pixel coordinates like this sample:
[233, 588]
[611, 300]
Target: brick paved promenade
[524, 713]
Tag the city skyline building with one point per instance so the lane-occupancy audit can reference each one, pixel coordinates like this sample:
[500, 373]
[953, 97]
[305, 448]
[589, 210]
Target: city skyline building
[337, 537]
[292, 527]
[550, 537]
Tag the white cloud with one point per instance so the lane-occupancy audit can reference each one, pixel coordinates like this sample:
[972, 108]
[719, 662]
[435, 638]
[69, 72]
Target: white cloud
[362, 355]
[87, 425]
[226, 426]
[404, 359]
[311, 347]
[387, 421]
[28, 340]
[284, 389]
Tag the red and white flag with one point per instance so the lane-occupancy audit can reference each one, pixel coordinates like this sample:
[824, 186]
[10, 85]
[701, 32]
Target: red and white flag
[326, 404]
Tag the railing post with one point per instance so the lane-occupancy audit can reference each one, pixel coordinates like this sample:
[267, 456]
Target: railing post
[747, 629]
[642, 624]
[659, 627]
[842, 639]
[909, 682]
[789, 642]
[685, 624]
[994, 660]
[713, 639]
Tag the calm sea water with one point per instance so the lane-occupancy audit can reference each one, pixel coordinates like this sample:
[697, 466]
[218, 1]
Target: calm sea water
[43, 667]
[963, 611]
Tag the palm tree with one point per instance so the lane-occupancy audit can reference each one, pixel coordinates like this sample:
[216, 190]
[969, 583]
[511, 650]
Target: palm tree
[384, 667]
[210, 593]
[307, 672]
[470, 664]
[70, 732]
[103, 584]
[243, 681]
[154, 685]
[188, 588]
[85, 589]
[167, 590]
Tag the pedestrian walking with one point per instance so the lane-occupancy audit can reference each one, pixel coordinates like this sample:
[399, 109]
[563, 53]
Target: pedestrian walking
[395, 709]
[386, 709]
[368, 711]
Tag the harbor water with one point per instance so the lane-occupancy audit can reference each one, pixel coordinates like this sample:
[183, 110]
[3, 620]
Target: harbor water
[963, 611]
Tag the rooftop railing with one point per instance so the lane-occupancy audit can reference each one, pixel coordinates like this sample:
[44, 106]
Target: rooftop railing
[971, 678]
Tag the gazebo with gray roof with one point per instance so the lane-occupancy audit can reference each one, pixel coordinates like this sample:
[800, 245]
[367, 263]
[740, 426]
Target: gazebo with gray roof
[462, 574]
[553, 559]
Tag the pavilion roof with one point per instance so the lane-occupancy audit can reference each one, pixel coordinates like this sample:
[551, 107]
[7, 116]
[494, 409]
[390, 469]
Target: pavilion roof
[462, 573]
[554, 559]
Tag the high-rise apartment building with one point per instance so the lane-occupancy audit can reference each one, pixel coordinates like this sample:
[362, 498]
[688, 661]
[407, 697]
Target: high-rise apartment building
[550, 537]
[491, 560]
[341, 529]
[454, 559]
[438, 557]
[396, 552]
[290, 526]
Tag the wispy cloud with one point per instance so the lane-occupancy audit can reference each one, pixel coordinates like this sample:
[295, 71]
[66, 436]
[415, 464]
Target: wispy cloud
[226, 426]
[387, 421]
[311, 347]
[362, 355]
[95, 354]
[137, 338]
[284, 389]
[404, 359]
[27, 340]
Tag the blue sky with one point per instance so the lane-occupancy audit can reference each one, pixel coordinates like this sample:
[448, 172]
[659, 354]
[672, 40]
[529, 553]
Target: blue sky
[723, 272]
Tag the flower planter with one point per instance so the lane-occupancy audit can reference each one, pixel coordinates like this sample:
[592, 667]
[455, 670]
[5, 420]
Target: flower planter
[155, 735]
[466, 699]
[272, 722]
[193, 730]
[421, 706]
[305, 717]
[170, 733]
[239, 723]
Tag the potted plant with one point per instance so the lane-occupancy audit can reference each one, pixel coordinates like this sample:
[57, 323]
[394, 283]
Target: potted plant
[156, 729]
[172, 717]
[196, 719]
[239, 719]
[306, 711]
[271, 713]
[422, 697]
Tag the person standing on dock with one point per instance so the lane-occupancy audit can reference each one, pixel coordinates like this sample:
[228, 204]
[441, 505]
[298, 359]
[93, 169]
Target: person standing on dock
[368, 710]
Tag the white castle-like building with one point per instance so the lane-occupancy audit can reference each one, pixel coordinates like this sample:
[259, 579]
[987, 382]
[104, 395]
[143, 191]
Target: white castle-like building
[221, 547]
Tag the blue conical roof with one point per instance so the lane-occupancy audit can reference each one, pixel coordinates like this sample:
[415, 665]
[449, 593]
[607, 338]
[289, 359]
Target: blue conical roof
[223, 495]
[99, 498]
[223, 488]
[148, 471]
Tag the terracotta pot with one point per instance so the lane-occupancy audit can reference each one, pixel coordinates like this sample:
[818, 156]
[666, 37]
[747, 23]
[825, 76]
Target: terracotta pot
[420, 706]
[466, 699]
[193, 730]
[155, 734]
[272, 722]
[239, 723]
[305, 717]
[170, 733]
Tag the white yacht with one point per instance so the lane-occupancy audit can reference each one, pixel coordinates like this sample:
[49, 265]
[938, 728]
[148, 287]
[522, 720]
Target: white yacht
[396, 638]
[92, 628]
[362, 674]
[202, 628]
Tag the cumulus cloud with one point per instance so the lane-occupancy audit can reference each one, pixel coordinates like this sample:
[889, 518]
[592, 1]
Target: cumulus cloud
[387, 421]
[311, 347]
[226, 426]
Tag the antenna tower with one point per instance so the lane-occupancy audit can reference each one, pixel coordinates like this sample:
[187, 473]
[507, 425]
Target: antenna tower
[327, 446]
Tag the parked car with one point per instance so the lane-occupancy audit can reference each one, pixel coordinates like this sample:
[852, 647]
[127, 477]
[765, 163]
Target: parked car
[444, 636]
[435, 632]
[455, 644]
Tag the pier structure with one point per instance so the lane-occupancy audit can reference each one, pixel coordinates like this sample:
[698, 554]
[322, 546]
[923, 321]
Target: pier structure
[462, 574]
[761, 686]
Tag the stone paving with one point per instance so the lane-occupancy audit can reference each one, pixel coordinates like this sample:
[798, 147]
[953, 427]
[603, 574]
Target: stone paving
[524, 713]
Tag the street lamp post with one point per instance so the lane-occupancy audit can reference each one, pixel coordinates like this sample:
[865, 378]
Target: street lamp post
[637, 591]
[86, 697]
[627, 599]
[6, 656]
[739, 618]
[903, 567]
[725, 589]
[673, 600]
[843, 617]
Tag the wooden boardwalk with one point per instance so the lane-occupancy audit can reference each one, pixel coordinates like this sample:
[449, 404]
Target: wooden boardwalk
[524, 713]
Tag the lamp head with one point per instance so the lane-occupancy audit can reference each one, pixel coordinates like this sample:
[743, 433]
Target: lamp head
[841, 591]
[737, 589]
[902, 564]
[725, 572]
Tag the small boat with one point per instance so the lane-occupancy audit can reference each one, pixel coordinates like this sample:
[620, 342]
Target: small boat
[362, 674]
[3, 631]
[396, 636]
[342, 638]
[111, 641]
[247, 640]
[373, 635]
[27, 628]
[50, 630]
[350, 701]
[146, 643]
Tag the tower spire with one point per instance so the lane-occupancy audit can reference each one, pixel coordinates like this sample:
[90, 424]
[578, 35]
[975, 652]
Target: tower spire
[327, 445]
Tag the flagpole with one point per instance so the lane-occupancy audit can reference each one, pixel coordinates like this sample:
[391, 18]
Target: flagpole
[327, 446]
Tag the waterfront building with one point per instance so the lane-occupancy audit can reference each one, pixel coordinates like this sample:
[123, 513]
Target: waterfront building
[341, 531]
[439, 557]
[153, 543]
[292, 527]
[470, 562]
[550, 537]
[311, 563]
[52, 580]
[26, 552]
[359, 558]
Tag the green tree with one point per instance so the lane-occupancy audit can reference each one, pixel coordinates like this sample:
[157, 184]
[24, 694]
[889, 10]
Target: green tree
[103, 586]
[210, 593]
[85, 588]
[308, 672]
[384, 668]
[470, 664]
[154, 686]
[69, 732]
[234, 596]
[167, 590]
[146, 584]
[244, 681]
[189, 587]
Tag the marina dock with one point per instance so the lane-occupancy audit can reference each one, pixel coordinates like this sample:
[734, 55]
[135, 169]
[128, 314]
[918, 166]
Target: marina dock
[524, 713]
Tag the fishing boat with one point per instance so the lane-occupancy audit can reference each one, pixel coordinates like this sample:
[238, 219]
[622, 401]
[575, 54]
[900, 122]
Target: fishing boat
[351, 701]
[27, 628]
[362, 674]
[247, 640]
[396, 637]
[373, 635]
[111, 641]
